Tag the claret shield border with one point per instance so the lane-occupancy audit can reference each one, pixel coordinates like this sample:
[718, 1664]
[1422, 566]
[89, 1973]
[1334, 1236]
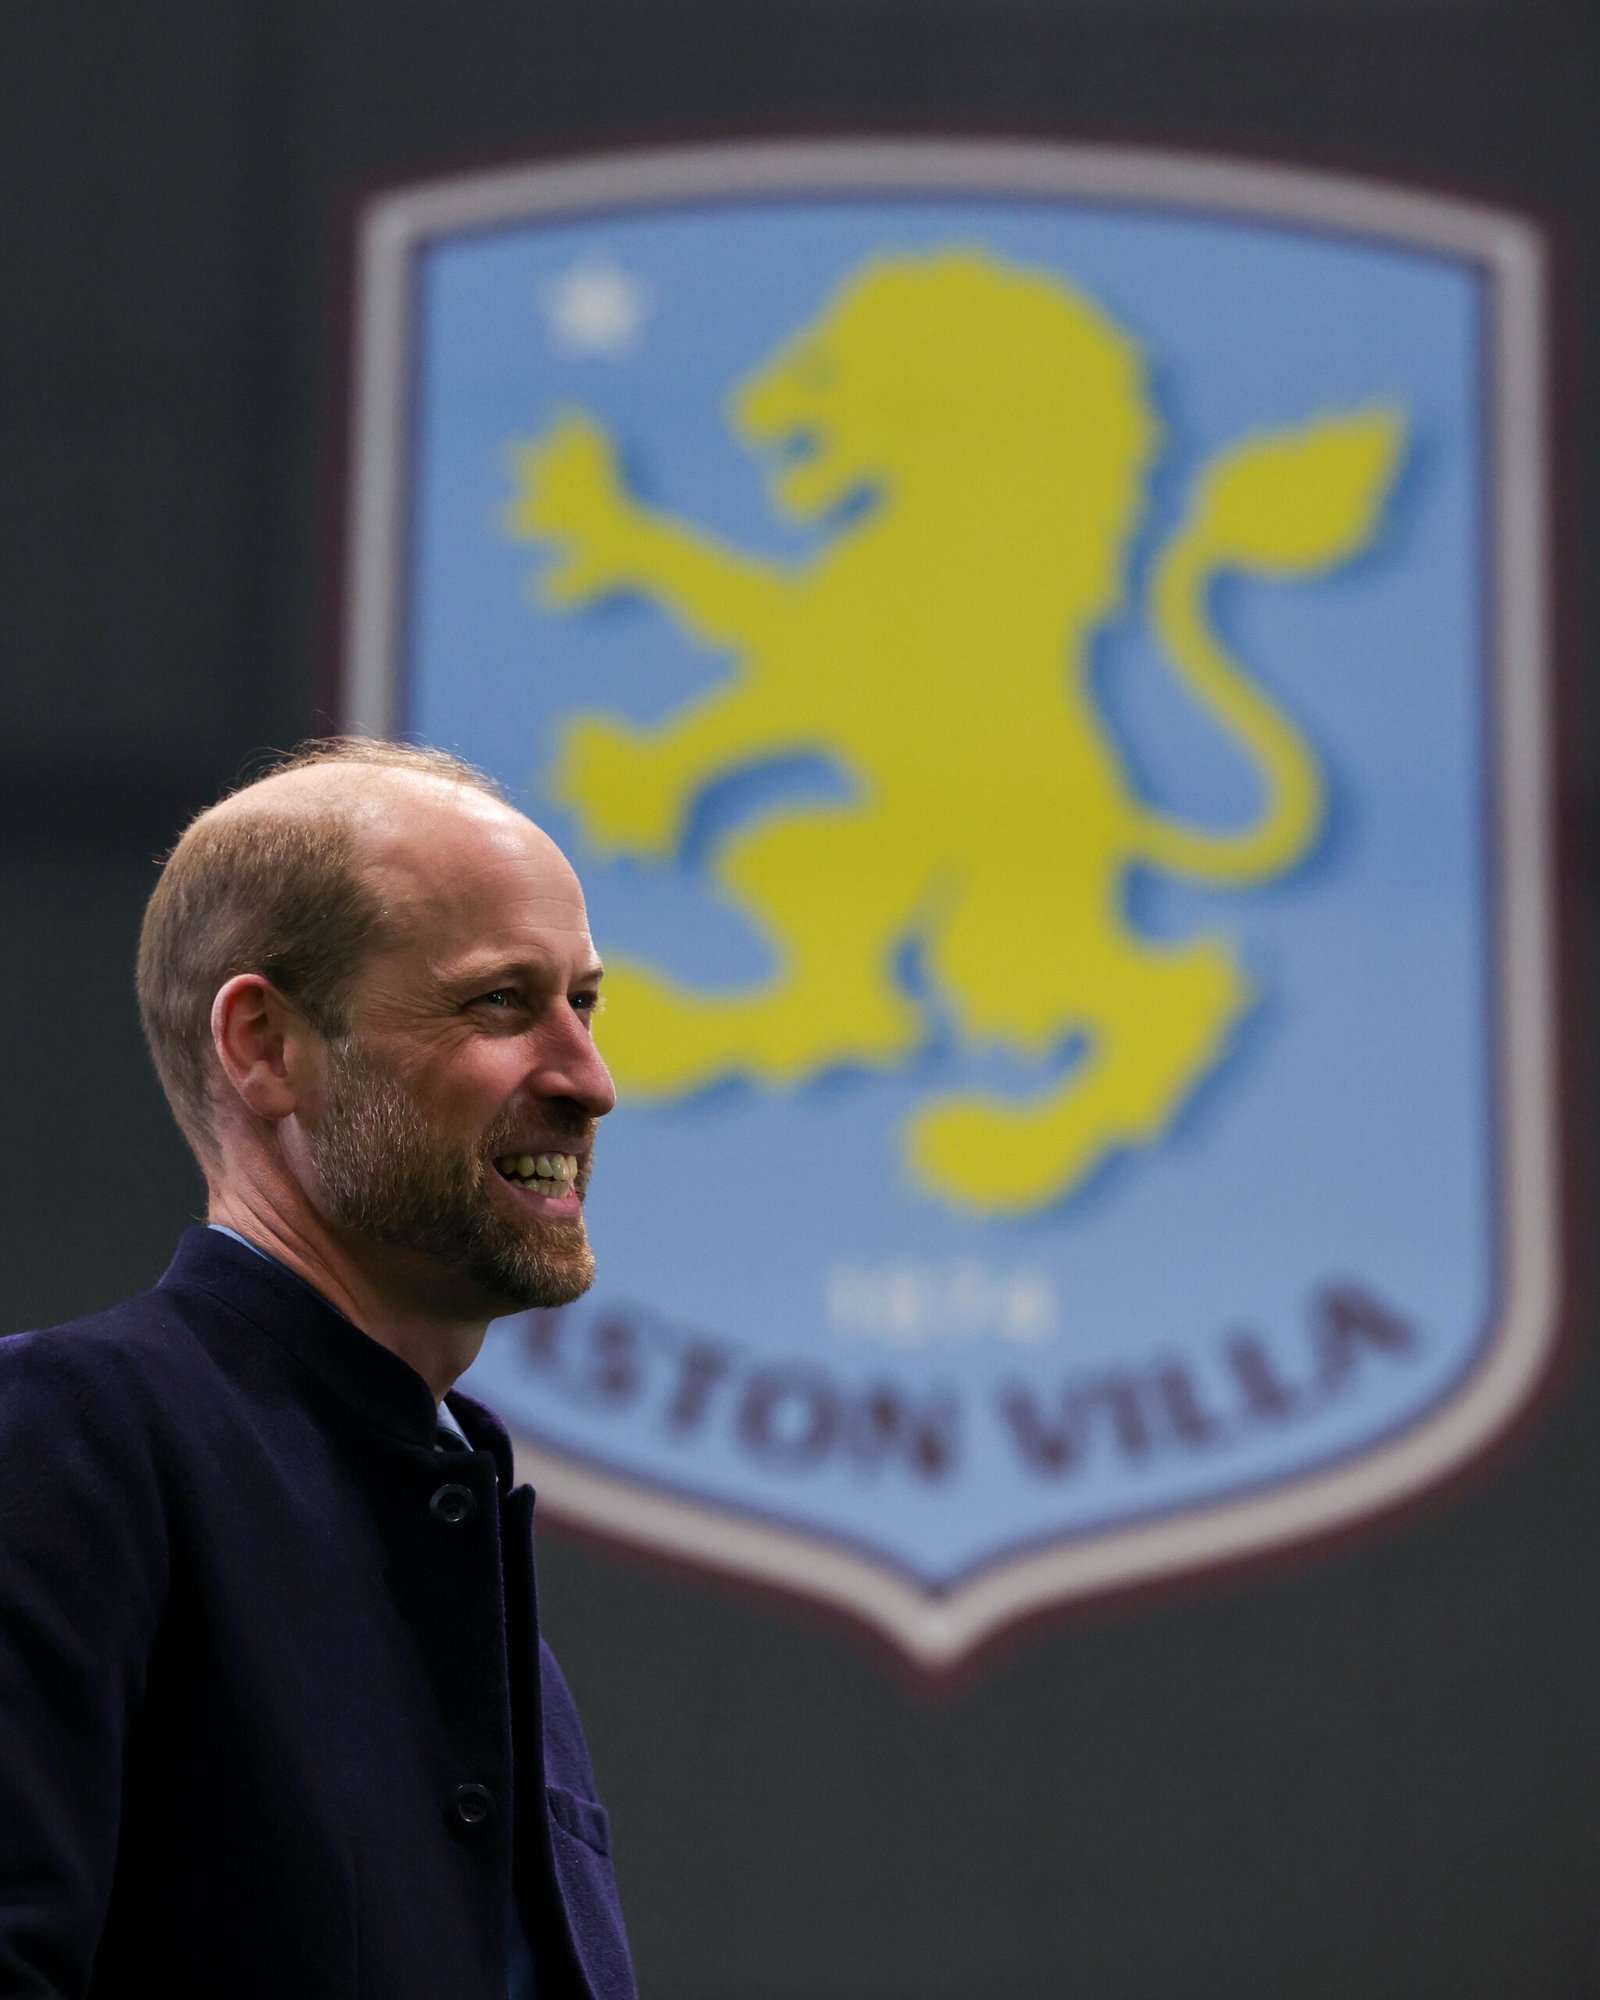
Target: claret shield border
[937, 1631]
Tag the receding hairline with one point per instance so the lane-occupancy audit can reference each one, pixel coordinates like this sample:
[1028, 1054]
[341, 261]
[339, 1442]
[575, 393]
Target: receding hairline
[353, 795]
[346, 784]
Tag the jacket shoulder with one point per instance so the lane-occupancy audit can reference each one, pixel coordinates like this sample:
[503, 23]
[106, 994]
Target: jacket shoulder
[133, 1351]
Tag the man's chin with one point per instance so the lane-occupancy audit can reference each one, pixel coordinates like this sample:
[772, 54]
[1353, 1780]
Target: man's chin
[550, 1267]
[554, 1288]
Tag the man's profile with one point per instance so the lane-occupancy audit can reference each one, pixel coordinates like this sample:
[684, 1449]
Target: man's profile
[277, 1717]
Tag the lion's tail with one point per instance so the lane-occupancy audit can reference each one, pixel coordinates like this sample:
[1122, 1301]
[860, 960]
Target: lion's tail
[1284, 504]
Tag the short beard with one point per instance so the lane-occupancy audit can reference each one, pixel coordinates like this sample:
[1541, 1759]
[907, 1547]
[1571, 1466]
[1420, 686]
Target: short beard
[386, 1174]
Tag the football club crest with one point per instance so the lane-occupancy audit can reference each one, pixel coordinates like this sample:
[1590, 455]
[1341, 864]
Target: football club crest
[1038, 655]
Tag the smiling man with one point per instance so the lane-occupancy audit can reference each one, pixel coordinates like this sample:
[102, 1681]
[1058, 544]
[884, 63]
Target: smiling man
[277, 1716]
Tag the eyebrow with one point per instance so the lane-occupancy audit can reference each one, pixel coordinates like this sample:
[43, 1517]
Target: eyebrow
[490, 972]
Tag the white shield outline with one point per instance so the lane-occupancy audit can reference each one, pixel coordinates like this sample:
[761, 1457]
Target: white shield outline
[937, 1631]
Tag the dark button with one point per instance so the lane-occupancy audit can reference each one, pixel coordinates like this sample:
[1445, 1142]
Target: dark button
[453, 1504]
[473, 1804]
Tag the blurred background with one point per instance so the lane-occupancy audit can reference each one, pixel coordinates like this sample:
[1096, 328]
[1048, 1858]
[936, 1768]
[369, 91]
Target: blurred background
[1367, 1766]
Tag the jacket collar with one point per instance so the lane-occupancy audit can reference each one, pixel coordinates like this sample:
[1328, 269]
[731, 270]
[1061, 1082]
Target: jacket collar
[385, 1390]
[485, 1432]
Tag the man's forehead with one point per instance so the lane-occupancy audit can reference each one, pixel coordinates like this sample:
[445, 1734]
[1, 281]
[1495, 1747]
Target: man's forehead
[468, 876]
[449, 845]
[392, 812]
[453, 868]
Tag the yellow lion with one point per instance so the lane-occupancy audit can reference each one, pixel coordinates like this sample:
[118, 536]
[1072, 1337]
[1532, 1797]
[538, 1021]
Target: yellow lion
[938, 651]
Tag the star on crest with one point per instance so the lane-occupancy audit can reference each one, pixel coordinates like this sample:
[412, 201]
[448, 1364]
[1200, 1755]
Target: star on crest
[596, 308]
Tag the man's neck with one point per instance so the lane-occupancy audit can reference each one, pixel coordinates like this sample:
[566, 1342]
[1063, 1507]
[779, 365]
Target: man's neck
[395, 1297]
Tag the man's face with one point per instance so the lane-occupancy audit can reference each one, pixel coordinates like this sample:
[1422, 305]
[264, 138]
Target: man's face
[470, 1050]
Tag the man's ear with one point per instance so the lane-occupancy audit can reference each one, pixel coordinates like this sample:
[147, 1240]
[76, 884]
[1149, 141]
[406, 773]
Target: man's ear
[262, 1044]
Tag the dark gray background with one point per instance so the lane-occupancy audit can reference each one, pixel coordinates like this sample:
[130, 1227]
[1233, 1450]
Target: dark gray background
[1376, 1773]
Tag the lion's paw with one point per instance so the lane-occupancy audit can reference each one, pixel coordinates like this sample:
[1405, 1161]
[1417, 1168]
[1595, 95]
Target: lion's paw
[611, 779]
[658, 1040]
[996, 1157]
[570, 494]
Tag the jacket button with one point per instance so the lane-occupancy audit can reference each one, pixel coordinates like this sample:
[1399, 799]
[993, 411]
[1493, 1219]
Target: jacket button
[453, 1504]
[473, 1804]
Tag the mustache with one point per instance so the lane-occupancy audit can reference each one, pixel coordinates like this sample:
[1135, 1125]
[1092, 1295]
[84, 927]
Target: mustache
[563, 1128]
[566, 1130]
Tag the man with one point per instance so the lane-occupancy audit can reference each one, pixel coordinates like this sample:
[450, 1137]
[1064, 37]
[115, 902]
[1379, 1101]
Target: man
[277, 1717]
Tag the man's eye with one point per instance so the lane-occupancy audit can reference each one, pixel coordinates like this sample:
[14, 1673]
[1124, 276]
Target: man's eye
[588, 1003]
[500, 996]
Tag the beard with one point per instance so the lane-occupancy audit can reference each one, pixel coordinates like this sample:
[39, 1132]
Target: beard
[389, 1175]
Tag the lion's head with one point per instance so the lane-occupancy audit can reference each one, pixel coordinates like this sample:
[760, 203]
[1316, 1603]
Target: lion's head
[953, 367]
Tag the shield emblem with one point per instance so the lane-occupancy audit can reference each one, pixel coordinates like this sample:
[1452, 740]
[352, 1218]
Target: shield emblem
[1038, 654]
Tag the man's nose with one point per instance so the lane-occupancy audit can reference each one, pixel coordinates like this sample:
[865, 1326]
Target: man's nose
[569, 1065]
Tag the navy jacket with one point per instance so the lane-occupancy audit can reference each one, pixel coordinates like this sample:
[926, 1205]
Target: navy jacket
[276, 1722]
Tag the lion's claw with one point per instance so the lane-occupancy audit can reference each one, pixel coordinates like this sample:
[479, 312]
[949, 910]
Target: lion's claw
[610, 778]
[570, 494]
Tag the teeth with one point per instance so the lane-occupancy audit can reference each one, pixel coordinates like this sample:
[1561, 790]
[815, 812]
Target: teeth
[550, 1173]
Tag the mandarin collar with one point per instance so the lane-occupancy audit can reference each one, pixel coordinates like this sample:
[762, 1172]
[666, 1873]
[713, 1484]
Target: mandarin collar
[368, 1376]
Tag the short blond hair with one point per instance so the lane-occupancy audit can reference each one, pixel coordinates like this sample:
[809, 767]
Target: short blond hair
[279, 890]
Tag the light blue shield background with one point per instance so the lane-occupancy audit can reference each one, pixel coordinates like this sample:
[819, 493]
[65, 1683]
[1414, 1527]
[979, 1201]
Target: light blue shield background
[1349, 1134]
